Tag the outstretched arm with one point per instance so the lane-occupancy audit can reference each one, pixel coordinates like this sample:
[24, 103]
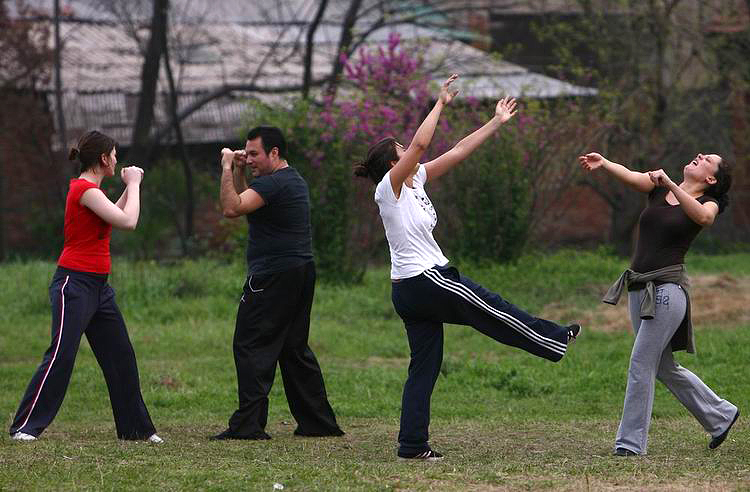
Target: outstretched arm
[504, 111]
[422, 138]
[638, 181]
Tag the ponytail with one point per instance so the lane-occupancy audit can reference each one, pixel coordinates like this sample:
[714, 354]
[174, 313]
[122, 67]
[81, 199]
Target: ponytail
[90, 148]
[378, 161]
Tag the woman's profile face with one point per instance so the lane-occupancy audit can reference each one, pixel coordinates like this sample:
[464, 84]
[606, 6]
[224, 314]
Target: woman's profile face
[399, 152]
[703, 168]
[110, 162]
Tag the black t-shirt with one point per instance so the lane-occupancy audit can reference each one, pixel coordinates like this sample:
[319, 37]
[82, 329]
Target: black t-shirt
[279, 233]
[665, 233]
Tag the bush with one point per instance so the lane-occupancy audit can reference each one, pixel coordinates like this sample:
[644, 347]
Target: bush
[487, 205]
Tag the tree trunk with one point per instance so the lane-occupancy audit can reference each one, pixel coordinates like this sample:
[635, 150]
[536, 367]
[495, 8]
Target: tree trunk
[58, 86]
[344, 42]
[306, 80]
[141, 144]
[187, 234]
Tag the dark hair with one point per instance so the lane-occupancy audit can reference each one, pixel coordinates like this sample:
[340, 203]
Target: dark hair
[720, 189]
[270, 137]
[90, 148]
[378, 161]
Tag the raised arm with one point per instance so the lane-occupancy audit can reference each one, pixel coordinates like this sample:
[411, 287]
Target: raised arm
[422, 138]
[234, 204]
[638, 181]
[504, 110]
[702, 214]
[121, 218]
[238, 171]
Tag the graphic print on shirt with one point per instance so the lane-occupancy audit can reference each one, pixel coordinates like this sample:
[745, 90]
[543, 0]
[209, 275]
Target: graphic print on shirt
[426, 204]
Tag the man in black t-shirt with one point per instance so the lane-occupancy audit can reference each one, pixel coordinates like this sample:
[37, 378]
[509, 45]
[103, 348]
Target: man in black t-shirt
[273, 319]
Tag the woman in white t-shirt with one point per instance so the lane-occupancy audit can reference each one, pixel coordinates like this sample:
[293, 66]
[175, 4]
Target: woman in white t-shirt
[426, 292]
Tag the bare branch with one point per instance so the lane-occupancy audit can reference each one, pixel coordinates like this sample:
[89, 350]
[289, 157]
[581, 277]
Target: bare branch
[309, 46]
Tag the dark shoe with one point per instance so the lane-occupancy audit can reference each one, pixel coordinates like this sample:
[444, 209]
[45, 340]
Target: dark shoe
[332, 433]
[428, 455]
[624, 452]
[716, 441]
[573, 331]
[228, 434]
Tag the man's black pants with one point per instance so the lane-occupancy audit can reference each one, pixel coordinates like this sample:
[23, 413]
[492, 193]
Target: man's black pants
[273, 324]
[85, 303]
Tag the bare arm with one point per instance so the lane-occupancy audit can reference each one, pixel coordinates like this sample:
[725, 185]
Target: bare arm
[409, 159]
[125, 218]
[504, 111]
[235, 204]
[635, 180]
[238, 170]
[123, 199]
[702, 214]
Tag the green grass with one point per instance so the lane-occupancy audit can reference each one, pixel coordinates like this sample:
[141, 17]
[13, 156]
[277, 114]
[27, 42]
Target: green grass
[503, 418]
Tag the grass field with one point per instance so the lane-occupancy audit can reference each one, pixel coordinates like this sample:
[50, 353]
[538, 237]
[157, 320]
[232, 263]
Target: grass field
[504, 419]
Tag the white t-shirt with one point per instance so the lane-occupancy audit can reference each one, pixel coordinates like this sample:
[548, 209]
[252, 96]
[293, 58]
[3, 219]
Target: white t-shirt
[408, 223]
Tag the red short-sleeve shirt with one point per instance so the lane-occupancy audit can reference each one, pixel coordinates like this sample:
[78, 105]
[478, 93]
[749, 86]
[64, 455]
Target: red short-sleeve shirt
[86, 247]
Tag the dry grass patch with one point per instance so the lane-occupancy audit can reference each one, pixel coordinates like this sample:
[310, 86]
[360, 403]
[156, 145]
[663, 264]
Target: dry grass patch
[716, 299]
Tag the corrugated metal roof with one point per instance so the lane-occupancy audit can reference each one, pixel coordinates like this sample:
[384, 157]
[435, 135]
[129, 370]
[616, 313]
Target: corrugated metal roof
[101, 64]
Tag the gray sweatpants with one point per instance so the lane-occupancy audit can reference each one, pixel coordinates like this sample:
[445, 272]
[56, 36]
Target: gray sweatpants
[652, 357]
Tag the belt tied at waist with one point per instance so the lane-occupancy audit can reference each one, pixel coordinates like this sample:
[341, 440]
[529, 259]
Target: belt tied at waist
[674, 274]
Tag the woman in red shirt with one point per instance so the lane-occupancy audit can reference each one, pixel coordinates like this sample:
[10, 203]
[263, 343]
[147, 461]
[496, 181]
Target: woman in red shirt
[83, 302]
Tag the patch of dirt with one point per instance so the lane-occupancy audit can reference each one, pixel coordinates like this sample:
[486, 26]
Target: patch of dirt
[715, 299]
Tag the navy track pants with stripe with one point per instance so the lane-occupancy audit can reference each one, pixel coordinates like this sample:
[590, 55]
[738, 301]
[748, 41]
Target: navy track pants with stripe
[85, 303]
[442, 295]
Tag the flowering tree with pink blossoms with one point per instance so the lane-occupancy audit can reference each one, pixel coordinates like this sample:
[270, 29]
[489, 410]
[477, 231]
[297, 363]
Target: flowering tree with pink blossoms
[486, 205]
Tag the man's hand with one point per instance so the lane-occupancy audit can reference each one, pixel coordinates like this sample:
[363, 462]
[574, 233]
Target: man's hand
[240, 159]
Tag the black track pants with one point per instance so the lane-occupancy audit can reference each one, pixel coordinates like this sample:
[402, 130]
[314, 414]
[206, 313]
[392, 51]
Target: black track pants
[273, 325]
[85, 303]
[441, 295]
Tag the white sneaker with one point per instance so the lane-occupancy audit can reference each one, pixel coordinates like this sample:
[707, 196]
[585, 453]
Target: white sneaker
[155, 439]
[20, 436]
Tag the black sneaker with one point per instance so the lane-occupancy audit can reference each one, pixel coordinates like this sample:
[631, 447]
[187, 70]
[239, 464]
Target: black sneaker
[428, 455]
[573, 331]
[624, 452]
[228, 434]
[716, 441]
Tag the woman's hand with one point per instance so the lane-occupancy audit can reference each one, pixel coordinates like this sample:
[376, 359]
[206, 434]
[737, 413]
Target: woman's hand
[660, 178]
[591, 161]
[131, 175]
[505, 109]
[446, 95]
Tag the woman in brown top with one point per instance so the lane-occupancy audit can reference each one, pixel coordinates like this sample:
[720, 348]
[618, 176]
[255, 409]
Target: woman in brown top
[658, 299]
